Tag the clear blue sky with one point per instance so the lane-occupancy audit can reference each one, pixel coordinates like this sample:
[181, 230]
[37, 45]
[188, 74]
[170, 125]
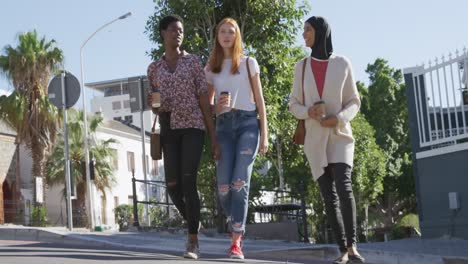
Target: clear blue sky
[405, 32]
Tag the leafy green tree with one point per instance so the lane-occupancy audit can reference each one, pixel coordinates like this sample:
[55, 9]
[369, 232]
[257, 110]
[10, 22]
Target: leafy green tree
[369, 163]
[29, 66]
[11, 110]
[387, 92]
[101, 151]
[368, 170]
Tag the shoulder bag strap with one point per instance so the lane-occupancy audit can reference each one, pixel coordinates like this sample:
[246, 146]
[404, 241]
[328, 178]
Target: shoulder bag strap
[250, 79]
[154, 123]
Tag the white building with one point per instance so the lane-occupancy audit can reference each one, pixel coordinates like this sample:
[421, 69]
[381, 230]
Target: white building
[129, 154]
[115, 102]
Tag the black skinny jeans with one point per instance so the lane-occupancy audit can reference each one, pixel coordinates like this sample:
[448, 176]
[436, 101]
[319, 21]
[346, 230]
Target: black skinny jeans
[182, 149]
[337, 193]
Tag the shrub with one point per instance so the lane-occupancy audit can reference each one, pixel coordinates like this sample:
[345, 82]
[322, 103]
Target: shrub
[39, 216]
[123, 215]
[408, 226]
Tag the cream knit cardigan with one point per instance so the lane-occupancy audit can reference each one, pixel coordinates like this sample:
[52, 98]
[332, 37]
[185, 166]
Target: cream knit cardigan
[322, 145]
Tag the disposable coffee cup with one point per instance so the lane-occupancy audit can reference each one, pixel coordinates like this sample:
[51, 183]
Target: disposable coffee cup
[228, 95]
[156, 100]
[321, 109]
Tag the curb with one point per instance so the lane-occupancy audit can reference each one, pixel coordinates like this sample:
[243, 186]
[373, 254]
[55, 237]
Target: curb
[387, 257]
[392, 257]
[51, 236]
[32, 234]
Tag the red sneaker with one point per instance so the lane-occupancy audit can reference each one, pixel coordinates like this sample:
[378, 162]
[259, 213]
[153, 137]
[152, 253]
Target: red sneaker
[235, 252]
[230, 235]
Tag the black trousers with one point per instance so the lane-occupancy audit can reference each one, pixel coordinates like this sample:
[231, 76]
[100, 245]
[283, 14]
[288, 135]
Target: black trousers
[337, 193]
[182, 149]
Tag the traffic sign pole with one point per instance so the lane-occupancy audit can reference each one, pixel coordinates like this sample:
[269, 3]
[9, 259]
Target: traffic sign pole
[143, 152]
[64, 91]
[67, 161]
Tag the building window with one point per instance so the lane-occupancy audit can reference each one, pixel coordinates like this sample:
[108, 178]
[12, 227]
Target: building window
[103, 209]
[115, 159]
[119, 118]
[116, 105]
[130, 160]
[112, 90]
[124, 88]
[128, 119]
[126, 104]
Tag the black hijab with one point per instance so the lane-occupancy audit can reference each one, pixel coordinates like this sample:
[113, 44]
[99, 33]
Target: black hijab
[322, 48]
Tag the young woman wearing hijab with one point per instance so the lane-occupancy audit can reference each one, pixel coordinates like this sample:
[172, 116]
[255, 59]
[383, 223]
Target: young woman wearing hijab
[184, 114]
[238, 96]
[329, 144]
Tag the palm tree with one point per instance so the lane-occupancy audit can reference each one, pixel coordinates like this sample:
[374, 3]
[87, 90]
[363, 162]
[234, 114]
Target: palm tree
[11, 110]
[29, 67]
[100, 151]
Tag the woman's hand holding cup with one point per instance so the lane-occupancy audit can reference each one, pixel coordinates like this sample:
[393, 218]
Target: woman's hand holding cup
[317, 111]
[224, 101]
[154, 100]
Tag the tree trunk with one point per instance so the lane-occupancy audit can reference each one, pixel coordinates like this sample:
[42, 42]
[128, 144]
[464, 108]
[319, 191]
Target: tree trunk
[37, 155]
[80, 212]
[280, 163]
[366, 222]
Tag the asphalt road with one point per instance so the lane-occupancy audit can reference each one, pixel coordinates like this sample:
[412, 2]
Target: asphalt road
[33, 252]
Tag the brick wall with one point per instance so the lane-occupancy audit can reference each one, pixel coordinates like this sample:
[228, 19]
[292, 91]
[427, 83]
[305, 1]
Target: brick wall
[7, 165]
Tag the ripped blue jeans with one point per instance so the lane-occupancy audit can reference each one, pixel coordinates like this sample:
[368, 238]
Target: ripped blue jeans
[237, 133]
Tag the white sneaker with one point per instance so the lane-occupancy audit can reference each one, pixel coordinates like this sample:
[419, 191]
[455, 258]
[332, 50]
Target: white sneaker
[191, 250]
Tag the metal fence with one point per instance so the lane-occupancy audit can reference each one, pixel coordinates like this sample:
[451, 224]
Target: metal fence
[208, 206]
[285, 206]
[441, 100]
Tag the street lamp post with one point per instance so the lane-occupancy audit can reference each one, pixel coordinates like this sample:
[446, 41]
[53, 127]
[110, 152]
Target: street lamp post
[85, 121]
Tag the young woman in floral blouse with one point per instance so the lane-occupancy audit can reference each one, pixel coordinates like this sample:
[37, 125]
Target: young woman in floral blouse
[184, 115]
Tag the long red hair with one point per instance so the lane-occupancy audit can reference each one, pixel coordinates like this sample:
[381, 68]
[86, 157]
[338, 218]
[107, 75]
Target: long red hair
[217, 55]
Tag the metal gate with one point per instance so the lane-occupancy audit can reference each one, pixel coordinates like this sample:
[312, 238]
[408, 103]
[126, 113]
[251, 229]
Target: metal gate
[437, 99]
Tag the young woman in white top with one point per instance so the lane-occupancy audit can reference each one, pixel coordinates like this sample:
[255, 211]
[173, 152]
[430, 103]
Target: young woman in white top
[329, 144]
[240, 135]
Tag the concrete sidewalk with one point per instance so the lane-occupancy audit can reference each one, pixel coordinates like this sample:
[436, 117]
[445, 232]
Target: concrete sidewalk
[408, 251]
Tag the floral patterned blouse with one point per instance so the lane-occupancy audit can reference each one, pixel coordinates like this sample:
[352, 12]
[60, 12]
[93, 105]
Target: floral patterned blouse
[180, 90]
